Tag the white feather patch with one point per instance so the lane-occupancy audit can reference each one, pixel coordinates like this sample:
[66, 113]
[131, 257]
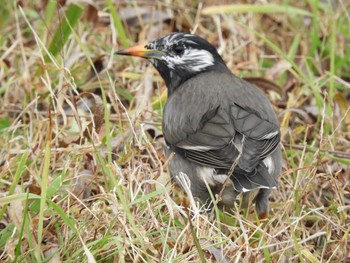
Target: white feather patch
[270, 135]
[209, 175]
[269, 164]
[206, 174]
[193, 60]
[196, 148]
[244, 190]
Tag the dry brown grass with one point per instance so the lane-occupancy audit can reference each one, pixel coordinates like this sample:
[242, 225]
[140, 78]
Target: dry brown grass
[82, 172]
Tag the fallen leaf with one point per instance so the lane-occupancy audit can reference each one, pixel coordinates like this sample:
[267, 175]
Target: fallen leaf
[91, 14]
[82, 184]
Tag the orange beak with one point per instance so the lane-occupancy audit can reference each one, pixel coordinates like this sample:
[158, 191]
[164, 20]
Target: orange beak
[141, 51]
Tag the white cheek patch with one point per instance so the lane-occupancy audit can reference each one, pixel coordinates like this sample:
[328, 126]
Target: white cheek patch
[193, 60]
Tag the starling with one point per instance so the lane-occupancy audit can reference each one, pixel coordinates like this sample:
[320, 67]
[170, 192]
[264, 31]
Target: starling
[222, 129]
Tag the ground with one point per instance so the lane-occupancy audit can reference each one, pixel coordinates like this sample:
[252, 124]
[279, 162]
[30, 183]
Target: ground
[83, 176]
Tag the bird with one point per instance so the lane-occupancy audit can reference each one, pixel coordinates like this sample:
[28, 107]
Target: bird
[222, 131]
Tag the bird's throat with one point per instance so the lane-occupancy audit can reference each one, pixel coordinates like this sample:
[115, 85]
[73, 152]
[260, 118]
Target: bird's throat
[173, 82]
[171, 78]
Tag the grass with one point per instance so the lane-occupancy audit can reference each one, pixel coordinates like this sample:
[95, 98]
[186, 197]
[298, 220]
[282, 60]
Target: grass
[83, 176]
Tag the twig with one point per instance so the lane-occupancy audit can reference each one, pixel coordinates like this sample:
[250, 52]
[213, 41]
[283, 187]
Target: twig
[308, 148]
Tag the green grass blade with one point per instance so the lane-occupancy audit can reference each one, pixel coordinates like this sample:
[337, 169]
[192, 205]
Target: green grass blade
[279, 52]
[63, 32]
[118, 23]
[19, 171]
[152, 194]
[51, 7]
[315, 29]
[53, 188]
[6, 233]
[333, 44]
[44, 185]
[68, 221]
[122, 199]
[17, 197]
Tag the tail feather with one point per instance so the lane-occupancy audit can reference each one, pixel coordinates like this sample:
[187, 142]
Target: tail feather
[258, 178]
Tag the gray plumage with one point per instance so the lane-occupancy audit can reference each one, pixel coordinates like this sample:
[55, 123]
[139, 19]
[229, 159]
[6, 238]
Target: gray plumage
[206, 125]
[212, 119]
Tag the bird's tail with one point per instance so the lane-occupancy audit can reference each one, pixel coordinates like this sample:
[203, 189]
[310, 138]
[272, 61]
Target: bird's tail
[258, 178]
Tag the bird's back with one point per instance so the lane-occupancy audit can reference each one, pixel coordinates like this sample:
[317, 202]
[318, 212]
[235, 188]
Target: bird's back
[194, 100]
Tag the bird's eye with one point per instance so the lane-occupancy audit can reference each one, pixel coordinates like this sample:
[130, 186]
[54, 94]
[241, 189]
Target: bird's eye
[178, 49]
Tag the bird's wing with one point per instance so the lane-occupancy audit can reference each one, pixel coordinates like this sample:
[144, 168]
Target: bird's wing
[260, 137]
[220, 137]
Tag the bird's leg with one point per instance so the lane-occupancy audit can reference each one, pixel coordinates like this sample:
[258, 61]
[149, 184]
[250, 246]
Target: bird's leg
[262, 203]
[245, 202]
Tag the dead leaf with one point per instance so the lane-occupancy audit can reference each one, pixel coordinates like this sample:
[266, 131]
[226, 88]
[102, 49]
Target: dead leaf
[91, 14]
[82, 185]
[15, 210]
[56, 255]
[84, 116]
[280, 67]
[97, 112]
[218, 254]
[344, 109]
[68, 139]
[34, 189]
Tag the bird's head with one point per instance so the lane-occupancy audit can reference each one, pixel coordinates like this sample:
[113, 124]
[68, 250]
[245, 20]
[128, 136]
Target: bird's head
[178, 57]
